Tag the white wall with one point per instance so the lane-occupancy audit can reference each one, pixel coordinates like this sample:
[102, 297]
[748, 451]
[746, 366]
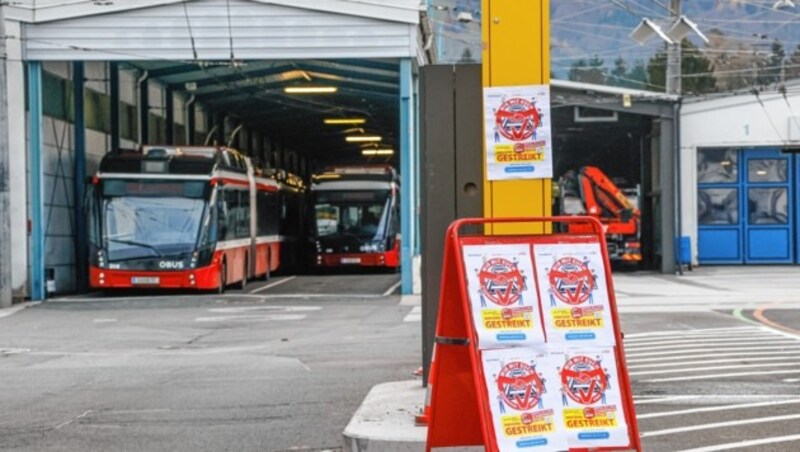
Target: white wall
[18, 190]
[733, 121]
[260, 31]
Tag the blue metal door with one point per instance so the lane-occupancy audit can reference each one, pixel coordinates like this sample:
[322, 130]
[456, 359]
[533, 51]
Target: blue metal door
[719, 192]
[766, 197]
[743, 199]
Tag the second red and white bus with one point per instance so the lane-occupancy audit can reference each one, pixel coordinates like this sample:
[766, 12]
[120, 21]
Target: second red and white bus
[185, 217]
[356, 213]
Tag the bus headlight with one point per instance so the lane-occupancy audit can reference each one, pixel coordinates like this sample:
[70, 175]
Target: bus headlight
[101, 260]
[193, 262]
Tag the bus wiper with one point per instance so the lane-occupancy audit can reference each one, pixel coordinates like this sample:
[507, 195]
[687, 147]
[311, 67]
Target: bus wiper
[135, 243]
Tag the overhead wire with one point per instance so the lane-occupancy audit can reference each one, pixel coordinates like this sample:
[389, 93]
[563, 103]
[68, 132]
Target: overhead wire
[782, 90]
[767, 115]
[189, 27]
[582, 12]
[230, 30]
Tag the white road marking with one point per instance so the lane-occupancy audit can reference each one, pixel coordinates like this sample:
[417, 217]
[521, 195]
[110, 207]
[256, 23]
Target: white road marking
[691, 340]
[85, 413]
[691, 332]
[251, 318]
[711, 355]
[733, 345]
[781, 357]
[711, 398]
[664, 399]
[104, 320]
[718, 349]
[415, 315]
[791, 380]
[694, 428]
[392, 289]
[721, 376]
[242, 309]
[679, 338]
[708, 409]
[704, 369]
[303, 295]
[273, 284]
[14, 351]
[743, 444]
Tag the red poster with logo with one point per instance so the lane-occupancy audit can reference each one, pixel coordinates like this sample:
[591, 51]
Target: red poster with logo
[571, 279]
[502, 293]
[521, 386]
[592, 412]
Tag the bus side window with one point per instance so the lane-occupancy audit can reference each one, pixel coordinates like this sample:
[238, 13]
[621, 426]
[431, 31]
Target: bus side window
[223, 219]
[274, 212]
[91, 209]
[242, 217]
[261, 213]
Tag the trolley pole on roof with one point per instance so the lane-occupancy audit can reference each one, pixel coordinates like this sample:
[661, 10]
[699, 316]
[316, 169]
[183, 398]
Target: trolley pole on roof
[5, 158]
[516, 51]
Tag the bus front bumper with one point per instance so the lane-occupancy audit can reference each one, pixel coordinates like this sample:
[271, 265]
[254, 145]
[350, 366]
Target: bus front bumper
[204, 278]
[346, 260]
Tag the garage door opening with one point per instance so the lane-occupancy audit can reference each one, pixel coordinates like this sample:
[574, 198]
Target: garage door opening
[296, 122]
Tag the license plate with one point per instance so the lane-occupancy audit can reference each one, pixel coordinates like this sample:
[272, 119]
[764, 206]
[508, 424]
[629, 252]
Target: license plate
[145, 280]
[351, 260]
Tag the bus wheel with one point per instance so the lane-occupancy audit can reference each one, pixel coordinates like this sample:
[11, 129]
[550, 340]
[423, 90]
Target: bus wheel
[244, 275]
[223, 278]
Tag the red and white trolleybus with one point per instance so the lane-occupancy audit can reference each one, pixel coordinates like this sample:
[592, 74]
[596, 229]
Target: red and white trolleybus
[182, 217]
[356, 217]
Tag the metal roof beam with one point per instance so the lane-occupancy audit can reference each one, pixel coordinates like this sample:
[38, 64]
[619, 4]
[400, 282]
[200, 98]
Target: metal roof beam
[354, 66]
[372, 64]
[174, 70]
[238, 92]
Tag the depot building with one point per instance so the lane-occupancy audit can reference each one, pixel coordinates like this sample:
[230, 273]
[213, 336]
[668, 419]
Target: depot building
[739, 168]
[88, 77]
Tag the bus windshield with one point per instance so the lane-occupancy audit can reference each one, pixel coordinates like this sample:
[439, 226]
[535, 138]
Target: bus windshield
[360, 213]
[145, 220]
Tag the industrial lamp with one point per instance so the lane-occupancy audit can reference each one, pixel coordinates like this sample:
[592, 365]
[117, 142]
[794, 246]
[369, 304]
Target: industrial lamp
[310, 89]
[647, 29]
[683, 27]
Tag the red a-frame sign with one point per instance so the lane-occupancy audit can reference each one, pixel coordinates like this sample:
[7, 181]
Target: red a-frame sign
[528, 348]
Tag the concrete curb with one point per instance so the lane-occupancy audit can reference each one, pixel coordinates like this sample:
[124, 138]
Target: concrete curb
[16, 308]
[385, 420]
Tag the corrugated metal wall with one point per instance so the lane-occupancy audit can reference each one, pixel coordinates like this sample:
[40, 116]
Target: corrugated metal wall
[255, 30]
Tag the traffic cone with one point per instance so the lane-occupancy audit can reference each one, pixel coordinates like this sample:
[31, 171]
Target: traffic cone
[425, 413]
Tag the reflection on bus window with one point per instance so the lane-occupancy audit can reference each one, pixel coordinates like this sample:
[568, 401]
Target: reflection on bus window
[138, 227]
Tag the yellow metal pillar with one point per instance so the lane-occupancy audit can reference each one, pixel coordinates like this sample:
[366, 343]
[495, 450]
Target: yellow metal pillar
[516, 51]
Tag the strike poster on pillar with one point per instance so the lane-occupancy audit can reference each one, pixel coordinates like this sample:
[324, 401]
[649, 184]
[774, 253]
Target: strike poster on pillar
[522, 386]
[517, 128]
[505, 306]
[572, 284]
[591, 402]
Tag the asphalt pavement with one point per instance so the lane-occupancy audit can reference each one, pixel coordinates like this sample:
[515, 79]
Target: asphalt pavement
[714, 360]
[257, 370]
[713, 363]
